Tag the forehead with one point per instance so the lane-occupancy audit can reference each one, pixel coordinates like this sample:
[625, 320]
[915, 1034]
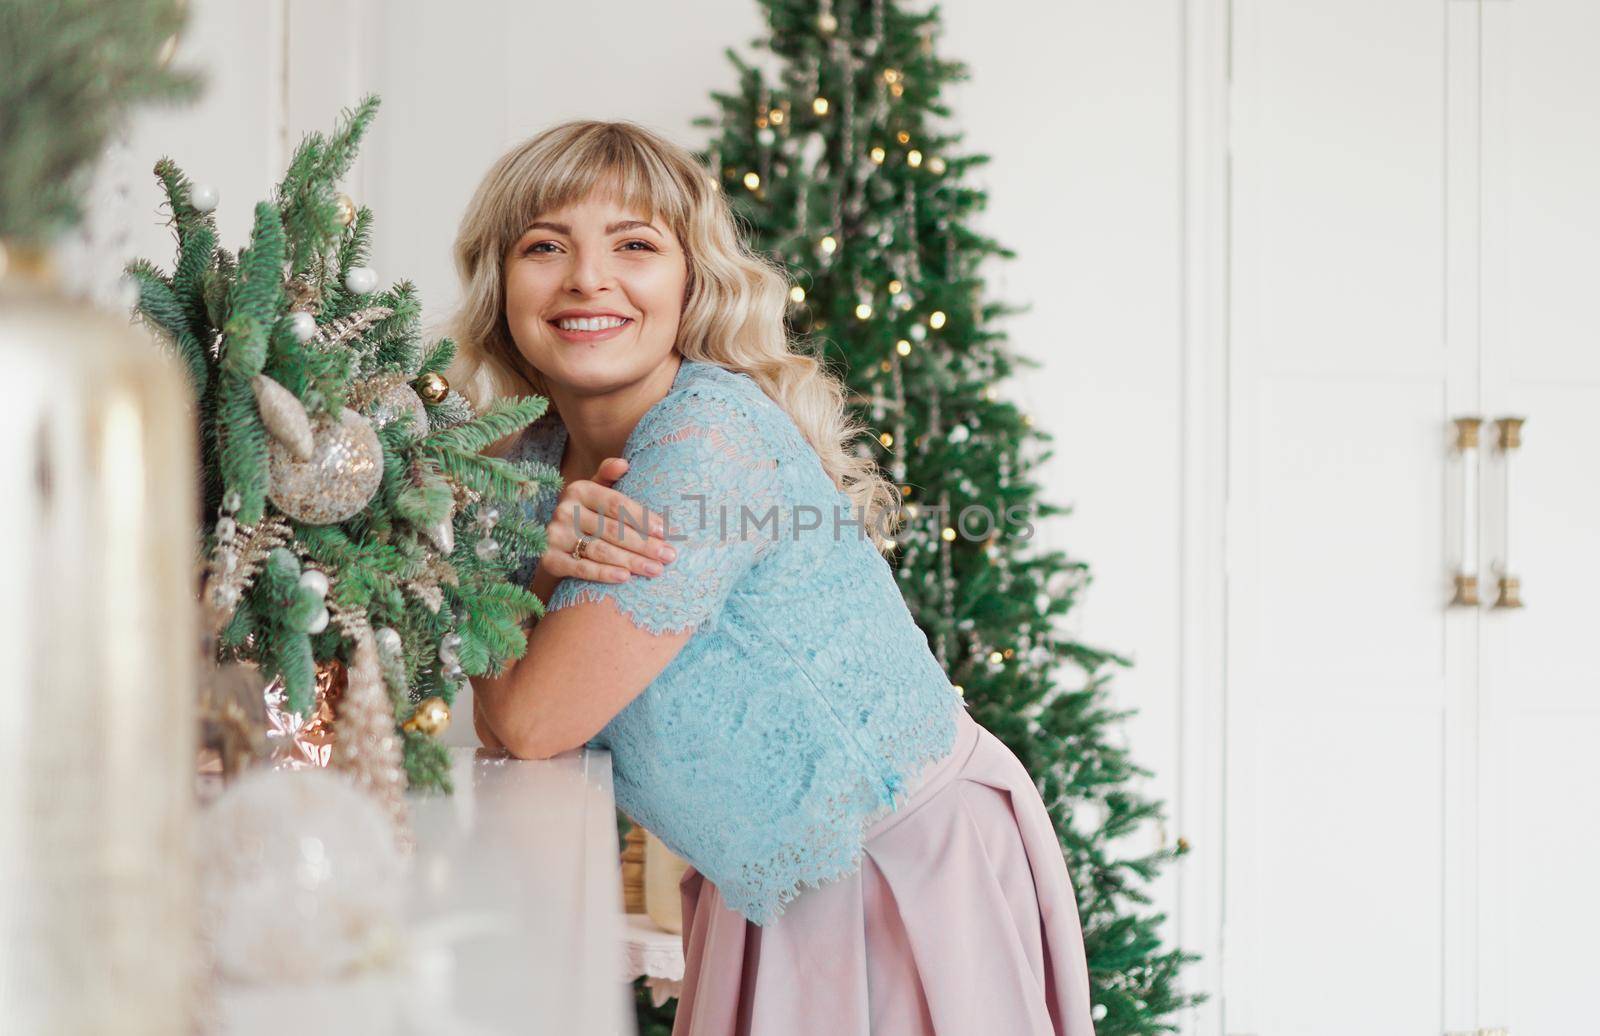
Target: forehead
[607, 209]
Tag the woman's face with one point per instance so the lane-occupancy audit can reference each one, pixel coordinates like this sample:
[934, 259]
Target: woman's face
[602, 263]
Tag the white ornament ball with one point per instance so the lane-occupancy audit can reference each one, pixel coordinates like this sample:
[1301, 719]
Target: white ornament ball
[302, 325]
[316, 580]
[301, 878]
[959, 434]
[203, 197]
[344, 471]
[918, 332]
[766, 135]
[360, 280]
[388, 640]
[1098, 1013]
[319, 621]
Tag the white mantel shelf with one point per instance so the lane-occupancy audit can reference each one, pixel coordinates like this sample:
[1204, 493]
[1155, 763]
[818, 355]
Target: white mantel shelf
[515, 909]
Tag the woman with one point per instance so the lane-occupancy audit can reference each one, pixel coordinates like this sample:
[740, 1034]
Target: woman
[864, 857]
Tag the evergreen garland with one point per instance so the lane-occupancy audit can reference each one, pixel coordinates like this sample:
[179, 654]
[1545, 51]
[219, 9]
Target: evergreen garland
[230, 321]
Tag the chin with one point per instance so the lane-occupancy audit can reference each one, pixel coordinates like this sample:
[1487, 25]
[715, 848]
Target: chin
[595, 369]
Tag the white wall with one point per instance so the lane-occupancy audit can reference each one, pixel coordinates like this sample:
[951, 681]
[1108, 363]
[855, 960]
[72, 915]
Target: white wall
[1081, 106]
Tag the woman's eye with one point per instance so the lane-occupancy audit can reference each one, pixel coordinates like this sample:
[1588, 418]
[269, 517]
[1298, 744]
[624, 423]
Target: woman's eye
[537, 247]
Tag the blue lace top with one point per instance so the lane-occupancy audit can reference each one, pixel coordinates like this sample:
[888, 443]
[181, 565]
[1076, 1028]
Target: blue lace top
[807, 698]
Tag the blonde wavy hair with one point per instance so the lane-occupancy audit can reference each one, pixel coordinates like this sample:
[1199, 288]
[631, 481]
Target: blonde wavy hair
[733, 314]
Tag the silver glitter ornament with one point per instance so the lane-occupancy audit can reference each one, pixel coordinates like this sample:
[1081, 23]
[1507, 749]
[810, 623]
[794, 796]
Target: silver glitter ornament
[402, 399]
[343, 473]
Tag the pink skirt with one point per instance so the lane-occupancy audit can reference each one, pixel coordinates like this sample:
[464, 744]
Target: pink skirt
[961, 920]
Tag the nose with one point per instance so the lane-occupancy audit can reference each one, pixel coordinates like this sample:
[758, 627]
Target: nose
[588, 273]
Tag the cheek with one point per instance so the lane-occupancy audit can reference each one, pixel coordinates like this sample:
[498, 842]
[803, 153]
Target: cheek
[523, 293]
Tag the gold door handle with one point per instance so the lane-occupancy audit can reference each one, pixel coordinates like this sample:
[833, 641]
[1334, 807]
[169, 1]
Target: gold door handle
[1508, 585]
[1466, 449]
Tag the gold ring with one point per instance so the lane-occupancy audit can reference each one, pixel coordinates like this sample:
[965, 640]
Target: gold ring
[578, 548]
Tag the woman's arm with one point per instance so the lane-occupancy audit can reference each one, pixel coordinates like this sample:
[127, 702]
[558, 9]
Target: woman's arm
[618, 548]
[584, 664]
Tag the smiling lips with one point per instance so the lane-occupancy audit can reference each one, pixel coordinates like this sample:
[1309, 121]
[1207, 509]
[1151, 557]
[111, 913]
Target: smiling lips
[590, 329]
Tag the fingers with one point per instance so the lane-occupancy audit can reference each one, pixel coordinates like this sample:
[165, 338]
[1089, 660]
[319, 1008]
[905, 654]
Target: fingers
[626, 522]
[616, 550]
[610, 469]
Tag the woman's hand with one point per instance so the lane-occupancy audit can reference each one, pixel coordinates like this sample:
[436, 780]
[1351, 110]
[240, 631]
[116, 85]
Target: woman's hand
[617, 549]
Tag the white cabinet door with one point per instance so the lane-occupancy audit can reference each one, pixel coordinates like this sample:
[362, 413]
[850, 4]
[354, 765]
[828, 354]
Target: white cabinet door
[1352, 347]
[1540, 690]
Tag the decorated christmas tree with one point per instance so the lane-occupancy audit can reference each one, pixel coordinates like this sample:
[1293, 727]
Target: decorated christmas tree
[350, 523]
[842, 172]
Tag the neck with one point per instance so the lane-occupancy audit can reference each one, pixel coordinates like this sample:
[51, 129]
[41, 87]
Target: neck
[598, 426]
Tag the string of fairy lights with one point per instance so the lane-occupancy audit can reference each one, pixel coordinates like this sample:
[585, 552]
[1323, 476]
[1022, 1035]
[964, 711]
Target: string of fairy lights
[783, 145]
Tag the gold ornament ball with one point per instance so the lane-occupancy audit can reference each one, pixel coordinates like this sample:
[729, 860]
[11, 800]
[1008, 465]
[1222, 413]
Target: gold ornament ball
[431, 717]
[346, 207]
[432, 388]
[827, 22]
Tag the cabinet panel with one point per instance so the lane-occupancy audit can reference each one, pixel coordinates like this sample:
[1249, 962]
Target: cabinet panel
[1347, 679]
[1540, 684]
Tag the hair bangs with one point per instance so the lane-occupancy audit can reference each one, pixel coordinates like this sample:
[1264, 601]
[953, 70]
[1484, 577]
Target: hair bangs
[599, 163]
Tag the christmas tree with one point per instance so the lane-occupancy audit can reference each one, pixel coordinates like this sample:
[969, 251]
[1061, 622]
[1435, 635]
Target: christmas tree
[840, 171]
[349, 517]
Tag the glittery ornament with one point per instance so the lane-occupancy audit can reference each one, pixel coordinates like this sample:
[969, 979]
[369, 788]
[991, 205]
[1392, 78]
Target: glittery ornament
[345, 206]
[431, 717]
[442, 534]
[366, 745]
[284, 416]
[432, 387]
[401, 399]
[337, 481]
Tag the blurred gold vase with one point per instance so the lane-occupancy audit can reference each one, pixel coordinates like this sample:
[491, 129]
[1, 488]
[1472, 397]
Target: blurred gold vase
[98, 929]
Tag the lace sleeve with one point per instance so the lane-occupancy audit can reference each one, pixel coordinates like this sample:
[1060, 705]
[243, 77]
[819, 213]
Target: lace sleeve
[705, 467]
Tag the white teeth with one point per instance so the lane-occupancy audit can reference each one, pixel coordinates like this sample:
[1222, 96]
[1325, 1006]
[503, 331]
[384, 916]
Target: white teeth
[590, 323]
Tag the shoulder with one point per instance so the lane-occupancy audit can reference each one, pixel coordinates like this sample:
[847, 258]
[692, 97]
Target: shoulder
[708, 399]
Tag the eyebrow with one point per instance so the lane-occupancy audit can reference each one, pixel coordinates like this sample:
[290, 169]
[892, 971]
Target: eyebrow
[562, 228]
